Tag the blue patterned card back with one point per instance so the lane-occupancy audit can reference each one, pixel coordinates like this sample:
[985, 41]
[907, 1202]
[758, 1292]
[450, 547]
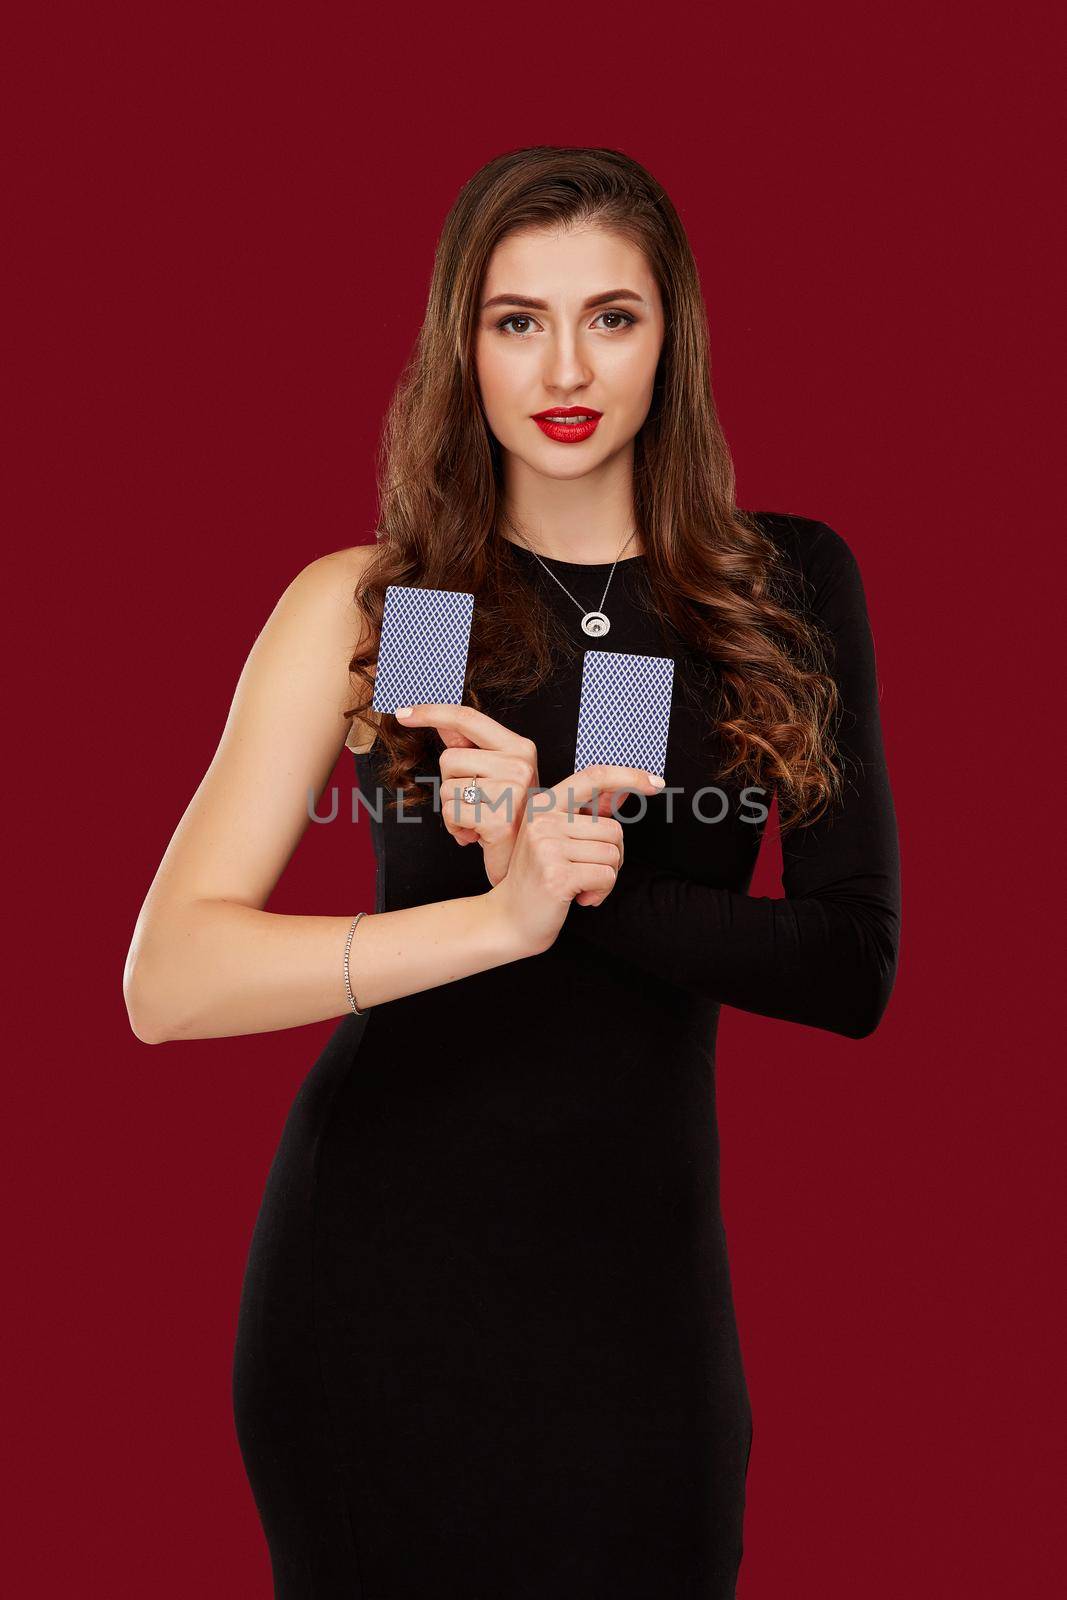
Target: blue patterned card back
[625, 710]
[422, 657]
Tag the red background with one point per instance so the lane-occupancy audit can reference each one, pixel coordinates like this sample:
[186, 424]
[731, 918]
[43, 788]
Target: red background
[221, 230]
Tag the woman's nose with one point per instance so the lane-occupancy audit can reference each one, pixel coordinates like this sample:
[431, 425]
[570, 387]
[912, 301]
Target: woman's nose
[565, 366]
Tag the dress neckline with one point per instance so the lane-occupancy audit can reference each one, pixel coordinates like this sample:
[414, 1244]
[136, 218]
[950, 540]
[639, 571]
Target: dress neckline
[574, 566]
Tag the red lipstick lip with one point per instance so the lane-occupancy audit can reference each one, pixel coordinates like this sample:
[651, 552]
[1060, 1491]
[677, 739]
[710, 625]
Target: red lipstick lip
[568, 432]
[567, 411]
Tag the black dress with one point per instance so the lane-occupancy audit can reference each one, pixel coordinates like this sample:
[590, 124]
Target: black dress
[487, 1346]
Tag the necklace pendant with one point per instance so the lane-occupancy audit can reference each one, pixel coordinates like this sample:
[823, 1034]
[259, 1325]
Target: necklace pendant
[596, 624]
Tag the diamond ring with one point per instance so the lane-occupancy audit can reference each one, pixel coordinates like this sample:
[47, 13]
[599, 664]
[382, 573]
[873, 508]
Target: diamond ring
[471, 793]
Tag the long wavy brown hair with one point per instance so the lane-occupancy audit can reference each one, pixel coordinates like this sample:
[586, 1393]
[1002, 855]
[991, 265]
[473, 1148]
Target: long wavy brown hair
[714, 576]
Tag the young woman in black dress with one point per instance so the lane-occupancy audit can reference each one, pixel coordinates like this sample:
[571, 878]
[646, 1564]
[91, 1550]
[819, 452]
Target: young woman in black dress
[486, 1342]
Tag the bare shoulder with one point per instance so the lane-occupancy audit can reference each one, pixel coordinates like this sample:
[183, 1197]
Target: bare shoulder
[324, 589]
[317, 609]
[323, 592]
[313, 631]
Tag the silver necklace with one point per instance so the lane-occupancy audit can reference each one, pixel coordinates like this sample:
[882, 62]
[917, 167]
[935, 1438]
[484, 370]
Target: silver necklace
[595, 623]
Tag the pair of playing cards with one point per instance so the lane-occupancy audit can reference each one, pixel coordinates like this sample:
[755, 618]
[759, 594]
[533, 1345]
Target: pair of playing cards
[625, 708]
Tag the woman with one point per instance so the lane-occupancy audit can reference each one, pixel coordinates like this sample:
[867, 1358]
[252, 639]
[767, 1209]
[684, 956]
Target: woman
[486, 1342]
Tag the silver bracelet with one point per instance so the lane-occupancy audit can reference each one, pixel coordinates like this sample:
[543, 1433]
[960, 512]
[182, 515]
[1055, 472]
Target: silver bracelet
[348, 980]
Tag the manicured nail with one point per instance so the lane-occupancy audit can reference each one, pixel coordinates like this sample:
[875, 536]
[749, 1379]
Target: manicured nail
[403, 711]
[655, 778]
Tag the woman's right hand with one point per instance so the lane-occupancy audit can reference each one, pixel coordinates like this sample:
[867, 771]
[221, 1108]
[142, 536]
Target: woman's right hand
[561, 852]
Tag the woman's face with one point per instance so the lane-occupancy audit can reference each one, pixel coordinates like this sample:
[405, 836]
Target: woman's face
[566, 320]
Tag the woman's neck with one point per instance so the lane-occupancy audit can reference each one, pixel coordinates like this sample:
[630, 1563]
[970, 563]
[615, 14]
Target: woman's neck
[583, 520]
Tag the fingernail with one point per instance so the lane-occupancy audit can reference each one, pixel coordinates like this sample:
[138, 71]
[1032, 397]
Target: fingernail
[403, 711]
[655, 778]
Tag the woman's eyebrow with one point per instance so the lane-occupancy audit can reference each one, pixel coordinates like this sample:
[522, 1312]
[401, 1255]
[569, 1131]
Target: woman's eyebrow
[542, 305]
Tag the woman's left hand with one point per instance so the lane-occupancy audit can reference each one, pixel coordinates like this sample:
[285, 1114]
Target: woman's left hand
[477, 748]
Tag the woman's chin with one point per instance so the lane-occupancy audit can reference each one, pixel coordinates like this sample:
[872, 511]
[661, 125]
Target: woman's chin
[563, 463]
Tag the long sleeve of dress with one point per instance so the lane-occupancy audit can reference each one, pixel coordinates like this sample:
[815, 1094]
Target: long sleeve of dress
[825, 955]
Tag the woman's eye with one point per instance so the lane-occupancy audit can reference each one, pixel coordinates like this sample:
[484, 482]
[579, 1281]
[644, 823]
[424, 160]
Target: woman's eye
[622, 319]
[517, 317]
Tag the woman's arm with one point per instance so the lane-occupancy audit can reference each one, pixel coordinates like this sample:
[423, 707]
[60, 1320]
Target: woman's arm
[206, 960]
[827, 954]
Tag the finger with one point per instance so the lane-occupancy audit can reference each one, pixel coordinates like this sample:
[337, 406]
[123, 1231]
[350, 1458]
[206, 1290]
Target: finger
[589, 878]
[460, 829]
[597, 896]
[498, 812]
[608, 830]
[590, 897]
[604, 804]
[601, 851]
[580, 787]
[593, 899]
[593, 824]
[477, 726]
[501, 765]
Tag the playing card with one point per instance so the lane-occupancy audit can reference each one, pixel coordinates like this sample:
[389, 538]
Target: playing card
[625, 710]
[422, 656]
